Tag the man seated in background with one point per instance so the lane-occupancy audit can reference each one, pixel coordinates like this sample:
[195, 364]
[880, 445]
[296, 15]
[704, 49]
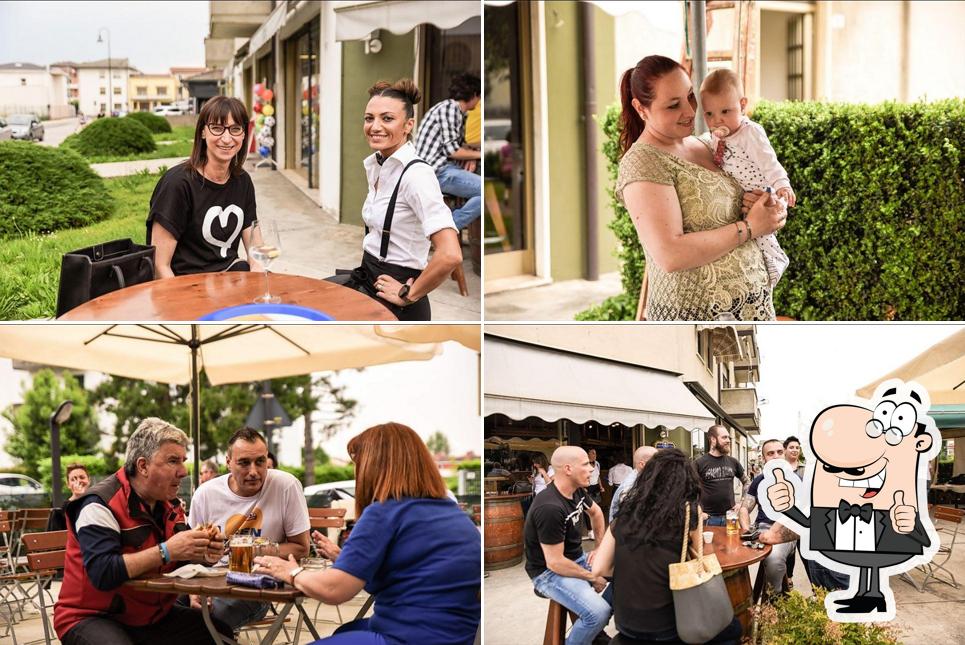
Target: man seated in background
[252, 499]
[78, 481]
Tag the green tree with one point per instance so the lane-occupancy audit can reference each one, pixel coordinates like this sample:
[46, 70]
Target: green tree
[437, 443]
[321, 457]
[324, 393]
[30, 440]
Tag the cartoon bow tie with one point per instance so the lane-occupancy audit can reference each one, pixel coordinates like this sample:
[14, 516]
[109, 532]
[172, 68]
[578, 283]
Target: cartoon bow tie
[846, 510]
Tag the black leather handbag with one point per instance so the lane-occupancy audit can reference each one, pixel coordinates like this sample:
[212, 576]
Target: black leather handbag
[88, 273]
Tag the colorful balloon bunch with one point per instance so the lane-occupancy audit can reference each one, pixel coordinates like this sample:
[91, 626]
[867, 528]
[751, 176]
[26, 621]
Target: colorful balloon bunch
[265, 120]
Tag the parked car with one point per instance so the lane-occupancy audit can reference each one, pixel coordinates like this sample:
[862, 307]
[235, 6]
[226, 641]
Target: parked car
[6, 132]
[26, 126]
[20, 491]
[165, 110]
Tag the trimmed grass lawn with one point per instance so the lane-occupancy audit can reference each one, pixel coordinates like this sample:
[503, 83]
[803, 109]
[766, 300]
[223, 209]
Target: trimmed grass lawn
[30, 265]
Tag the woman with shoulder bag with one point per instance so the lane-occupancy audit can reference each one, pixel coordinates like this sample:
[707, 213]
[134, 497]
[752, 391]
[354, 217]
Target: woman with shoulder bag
[404, 212]
[641, 544]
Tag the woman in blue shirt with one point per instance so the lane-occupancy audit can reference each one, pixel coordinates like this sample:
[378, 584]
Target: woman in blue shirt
[412, 548]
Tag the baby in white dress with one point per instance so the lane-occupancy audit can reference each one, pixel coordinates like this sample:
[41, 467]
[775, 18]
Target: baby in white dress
[742, 150]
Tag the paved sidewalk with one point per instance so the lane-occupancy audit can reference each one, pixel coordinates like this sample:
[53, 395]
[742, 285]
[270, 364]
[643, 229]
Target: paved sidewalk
[123, 168]
[315, 245]
[556, 301]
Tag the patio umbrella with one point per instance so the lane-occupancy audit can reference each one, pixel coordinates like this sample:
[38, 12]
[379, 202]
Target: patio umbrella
[940, 369]
[176, 354]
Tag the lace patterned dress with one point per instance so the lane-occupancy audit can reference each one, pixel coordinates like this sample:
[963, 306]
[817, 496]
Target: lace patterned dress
[734, 286]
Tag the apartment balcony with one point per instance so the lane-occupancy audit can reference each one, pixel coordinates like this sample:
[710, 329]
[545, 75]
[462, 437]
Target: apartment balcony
[218, 52]
[237, 19]
[741, 403]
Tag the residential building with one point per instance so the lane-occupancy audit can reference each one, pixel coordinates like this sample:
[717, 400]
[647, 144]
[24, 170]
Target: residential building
[181, 74]
[70, 69]
[201, 87]
[319, 59]
[29, 88]
[147, 91]
[539, 219]
[102, 85]
[616, 388]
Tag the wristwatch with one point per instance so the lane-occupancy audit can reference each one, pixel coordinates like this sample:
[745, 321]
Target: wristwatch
[295, 572]
[404, 292]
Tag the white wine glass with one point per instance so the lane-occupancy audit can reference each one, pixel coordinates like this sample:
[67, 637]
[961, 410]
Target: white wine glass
[265, 248]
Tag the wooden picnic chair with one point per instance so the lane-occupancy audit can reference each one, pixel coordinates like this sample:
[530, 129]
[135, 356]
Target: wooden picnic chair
[27, 520]
[45, 557]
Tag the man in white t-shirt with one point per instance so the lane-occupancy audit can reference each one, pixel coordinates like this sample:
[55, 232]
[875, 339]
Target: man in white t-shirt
[253, 499]
[595, 489]
[618, 472]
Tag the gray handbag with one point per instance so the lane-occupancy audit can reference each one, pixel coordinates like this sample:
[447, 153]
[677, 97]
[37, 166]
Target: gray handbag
[701, 605]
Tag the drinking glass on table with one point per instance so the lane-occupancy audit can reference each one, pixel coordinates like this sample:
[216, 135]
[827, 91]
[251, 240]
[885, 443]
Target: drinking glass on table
[265, 248]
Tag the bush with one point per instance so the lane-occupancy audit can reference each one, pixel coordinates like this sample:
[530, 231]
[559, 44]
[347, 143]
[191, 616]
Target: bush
[795, 619]
[323, 474]
[153, 122]
[30, 265]
[45, 189]
[111, 136]
[879, 227]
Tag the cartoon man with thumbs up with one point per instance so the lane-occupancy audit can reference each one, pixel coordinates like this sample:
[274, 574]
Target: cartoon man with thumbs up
[866, 484]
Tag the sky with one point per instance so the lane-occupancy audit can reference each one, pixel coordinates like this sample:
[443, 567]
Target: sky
[805, 368]
[154, 36]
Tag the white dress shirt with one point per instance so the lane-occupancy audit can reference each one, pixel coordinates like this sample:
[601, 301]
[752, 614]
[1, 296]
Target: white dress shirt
[595, 475]
[419, 209]
[854, 534]
[618, 473]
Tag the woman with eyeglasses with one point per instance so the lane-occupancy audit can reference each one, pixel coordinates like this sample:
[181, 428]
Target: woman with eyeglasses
[202, 210]
[412, 548]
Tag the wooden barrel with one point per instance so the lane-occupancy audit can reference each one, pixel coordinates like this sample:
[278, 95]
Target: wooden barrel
[741, 595]
[503, 532]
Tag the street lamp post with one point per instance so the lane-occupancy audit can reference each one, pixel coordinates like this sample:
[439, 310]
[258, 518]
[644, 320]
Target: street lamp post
[58, 418]
[110, 87]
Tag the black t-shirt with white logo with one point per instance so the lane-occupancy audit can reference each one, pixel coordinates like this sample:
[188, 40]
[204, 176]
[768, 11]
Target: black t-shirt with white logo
[205, 218]
[717, 475]
[552, 519]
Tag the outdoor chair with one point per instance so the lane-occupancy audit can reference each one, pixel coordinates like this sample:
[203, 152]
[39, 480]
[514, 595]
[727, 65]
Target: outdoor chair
[27, 520]
[327, 518]
[555, 631]
[954, 517]
[45, 557]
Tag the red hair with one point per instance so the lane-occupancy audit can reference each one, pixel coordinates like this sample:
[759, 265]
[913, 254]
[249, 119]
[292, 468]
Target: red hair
[638, 83]
[392, 462]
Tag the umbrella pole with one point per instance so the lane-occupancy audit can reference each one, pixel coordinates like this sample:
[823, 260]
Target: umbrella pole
[195, 345]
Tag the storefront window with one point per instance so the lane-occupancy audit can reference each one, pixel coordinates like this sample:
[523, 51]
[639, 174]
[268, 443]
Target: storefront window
[502, 146]
[306, 100]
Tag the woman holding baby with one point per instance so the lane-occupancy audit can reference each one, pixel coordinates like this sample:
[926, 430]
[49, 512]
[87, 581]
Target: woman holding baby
[703, 261]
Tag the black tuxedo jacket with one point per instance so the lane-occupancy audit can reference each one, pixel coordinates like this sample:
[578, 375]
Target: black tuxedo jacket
[887, 540]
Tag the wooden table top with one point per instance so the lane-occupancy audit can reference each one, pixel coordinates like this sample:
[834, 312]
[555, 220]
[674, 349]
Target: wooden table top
[189, 297]
[215, 586]
[731, 554]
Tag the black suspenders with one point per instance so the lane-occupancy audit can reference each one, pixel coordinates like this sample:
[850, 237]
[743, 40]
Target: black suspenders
[390, 212]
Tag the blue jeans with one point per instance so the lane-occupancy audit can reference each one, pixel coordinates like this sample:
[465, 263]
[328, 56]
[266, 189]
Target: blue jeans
[453, 180]
[594, 610]
[716, 520]
[821, 576]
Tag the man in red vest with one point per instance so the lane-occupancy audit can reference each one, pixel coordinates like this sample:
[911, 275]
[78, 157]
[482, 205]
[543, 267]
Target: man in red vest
[129, 525]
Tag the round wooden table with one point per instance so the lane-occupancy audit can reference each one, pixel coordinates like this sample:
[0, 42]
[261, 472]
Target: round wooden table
[189, 297]
[734, 559]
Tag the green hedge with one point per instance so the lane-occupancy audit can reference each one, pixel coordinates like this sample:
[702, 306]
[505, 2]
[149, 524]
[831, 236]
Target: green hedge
[45, 189]
[111, 136]
[879, 228]
[151, 121]
[323, 474]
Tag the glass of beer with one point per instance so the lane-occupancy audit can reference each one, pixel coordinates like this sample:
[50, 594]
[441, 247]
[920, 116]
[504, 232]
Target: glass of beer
[242, 554]
[733, 525]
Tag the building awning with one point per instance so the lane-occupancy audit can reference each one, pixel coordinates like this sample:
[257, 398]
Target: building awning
[724, 343]
[714, 407]
[357, 20]
[524, 380]
[276, 20]
[940, 369]
[948, 417]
